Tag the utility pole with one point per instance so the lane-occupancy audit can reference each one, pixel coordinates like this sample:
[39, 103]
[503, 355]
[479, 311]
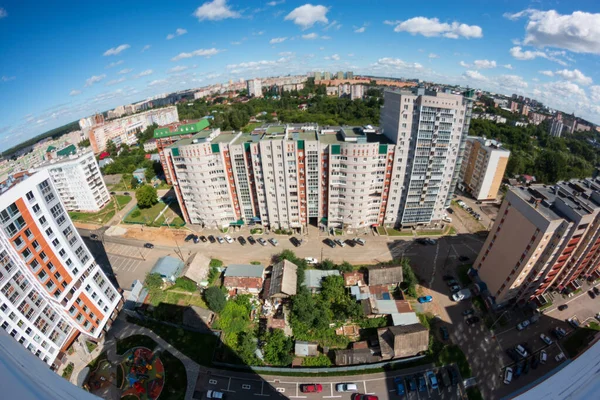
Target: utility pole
[179, 253]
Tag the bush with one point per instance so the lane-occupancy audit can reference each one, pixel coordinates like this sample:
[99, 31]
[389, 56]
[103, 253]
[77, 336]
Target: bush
[135, 213]
[213, 274]
[409, 279]
[215, 298]
[128, 343]
[184, 284]
[146, 196]
[319, 361]
[255, 262]
[68, 371]
[153, 281]
[215, 263]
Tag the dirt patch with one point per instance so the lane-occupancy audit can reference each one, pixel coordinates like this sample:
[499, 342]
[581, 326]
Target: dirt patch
[491, 211]
[470, 223]
[162, 235]
[81, 225]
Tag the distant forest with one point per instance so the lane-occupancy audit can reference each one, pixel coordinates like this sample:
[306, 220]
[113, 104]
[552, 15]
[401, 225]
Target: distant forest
[54, 133]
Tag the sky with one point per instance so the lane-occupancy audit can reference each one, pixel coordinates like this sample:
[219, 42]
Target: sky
[64, 60]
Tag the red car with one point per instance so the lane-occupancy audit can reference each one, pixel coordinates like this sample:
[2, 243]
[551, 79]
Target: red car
[311, 388]
[364, 397]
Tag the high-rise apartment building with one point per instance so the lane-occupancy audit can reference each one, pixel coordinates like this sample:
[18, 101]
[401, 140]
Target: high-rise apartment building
[254, 87]
[318, 76]
[544, 237]
[349, 75]
[483, 167]
[78, 181]
[339, 75]
[429, 130]
[556, 125]
[327, 75]
[51, 289]
[357, 92]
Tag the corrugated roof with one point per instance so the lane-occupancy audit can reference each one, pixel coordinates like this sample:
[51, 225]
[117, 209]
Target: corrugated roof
[404, 318]
[244, 270]
[386, 306]
[313, 277]
[284, 279]
[67, 151]
[305, 349]
[168, 267]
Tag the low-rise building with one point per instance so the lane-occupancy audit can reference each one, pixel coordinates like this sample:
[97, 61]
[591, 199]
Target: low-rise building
[313, 278]
[306, 349]
[403, 340]
[283, 279]
[244, 278]
[150, 145]
[169, 268]
[385, 275]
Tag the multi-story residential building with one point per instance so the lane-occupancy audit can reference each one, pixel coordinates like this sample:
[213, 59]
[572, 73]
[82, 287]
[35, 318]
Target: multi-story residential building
[537, 118]
[483, 167]
[339, 75]
[349, 75]
[254, 87]
[123, 130]
[318, 76]
[556, 126]
[357, 92]
[429, 130]
[544, 237]
[327, 75]
[78, 181]
[524, 110]
[51, 289]
[514, 106]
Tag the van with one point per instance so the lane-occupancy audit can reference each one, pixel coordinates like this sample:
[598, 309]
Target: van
[447, 219]
[543, 357]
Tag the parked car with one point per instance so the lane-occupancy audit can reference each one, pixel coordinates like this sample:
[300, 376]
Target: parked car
[468, 311]
[148, 245]
[535, 362]
[251, 240]
[262, 241]
[311, 388]
[189, 237]
[425, 299]
[508, 375]
[430, 241]
[596, 291]
[346, 387]
[522, 325]
[295, 241]
[329, 243]
[350, 242]
[412, 384]
[518, 370]
[203, 239]
[574, 322]
[364, 397]
[451, 282]
[521, 351]
[360, 241]
[93, 236]
[455, 288]
[543, 356]
[525, 367]
[311, 260]
[472, 320]
[453, 375]
[445, 377]
[213, 394]
[559, 333]
[399, 383]
[112, 193]
[422, 383]
[211, 239]
[242, 240]
[560, 357]
[126, 194]
[339, 243]
[463, 258]
[229, 239]
[274, 242]
[591, 294]
[444, 332]
[220, 240]
[196, 239]
[545, 339]
[512, 354]
[448, 277]
[433, 382]
[563, 307]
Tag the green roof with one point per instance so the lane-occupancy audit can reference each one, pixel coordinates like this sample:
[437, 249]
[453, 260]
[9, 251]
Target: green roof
[50, 148]
[185, 129]
[70, 149]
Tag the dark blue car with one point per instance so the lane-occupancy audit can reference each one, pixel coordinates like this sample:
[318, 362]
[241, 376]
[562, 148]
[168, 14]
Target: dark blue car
[400, 390]
[422, 383]
[412, 384]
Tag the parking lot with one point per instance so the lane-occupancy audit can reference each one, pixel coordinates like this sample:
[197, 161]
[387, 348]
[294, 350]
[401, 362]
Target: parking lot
[382, 385]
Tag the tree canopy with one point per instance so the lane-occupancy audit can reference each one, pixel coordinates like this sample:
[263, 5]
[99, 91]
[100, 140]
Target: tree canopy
[153, 281]
[146, 196]
[215, 299]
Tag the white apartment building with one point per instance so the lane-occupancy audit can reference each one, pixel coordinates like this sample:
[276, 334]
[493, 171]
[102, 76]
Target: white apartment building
[254, 87]
[429, 130]
[123, 130]
[483, 167]
[51, 289]
[78, 181]
[357, 92]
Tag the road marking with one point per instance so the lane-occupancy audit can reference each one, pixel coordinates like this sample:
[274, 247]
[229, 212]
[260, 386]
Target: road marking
[246, 386]
[280, 390]
[365, 385]
[437, 250]
[228, 385]
[212, 381]
[330, 397]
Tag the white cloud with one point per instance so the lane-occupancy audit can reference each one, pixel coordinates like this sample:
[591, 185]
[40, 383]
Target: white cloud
[158, 82]
[563, 89]
[178, 68]
[125, 71]
[510, 81]
[178, 32]
[431, 27]
[286, 53]
[144, 73]
[508, 66]
[464, 64]
[334, 57]
[113, 51]
[325, 37]
[261, 65]
[94, 79]
[518, 53]
[574, 76]
[307, 15]
[310, 36]
[396, 63]
[114, 64]
[433, 55]
[197, 53]
[333, 25]
[484, 64]
[476, 75]
[75, 92]
[115, 81]
[390, 22]
[578, 32]
[3, 13]
[146, 47]
[595, 93]
[259, 33]
[236, 43]
[277, 40]
[215, 10]
[360, 30]
[547, 73]
[274, 3]
[5, 78]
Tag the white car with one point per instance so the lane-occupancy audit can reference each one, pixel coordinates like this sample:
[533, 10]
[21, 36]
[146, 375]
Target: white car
[220, 240]
[274, 242]
[360, 241]
[346, 387]
[339, 242]
[229, 239]
[311, 260]
[543, 356]
[546, 339]
[521, 351]
[560, 357]
[523, 325]
[508, 375]
[213, 394]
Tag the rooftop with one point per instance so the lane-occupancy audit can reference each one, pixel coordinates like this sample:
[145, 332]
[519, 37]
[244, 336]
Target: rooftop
[244, 270]
[313, 277]
[199, 137]
[181, 128]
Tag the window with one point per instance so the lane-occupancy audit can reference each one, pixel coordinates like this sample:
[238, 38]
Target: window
[42, 276]
[43, 221]
[26, 254]
[43, 256]
[50, 285]
[35, 245]
[51, 266]
[49, 232]
[28, 233]
[30, 196]
[36, 208]
[18, 242]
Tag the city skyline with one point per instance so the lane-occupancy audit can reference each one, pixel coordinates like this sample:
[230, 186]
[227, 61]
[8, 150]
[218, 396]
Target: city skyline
[125, 54]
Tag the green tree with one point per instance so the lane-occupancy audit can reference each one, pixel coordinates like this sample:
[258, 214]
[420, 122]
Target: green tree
[278, 348]
[133, 182]
[327, 264]
[84, 143]
[409, 279]
[146, 196]
[345, 267]
[153, 281]
[215, 299]
[149, 174]
[111, 148]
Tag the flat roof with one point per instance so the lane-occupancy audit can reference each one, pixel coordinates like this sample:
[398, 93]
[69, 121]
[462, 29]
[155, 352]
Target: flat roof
[245, 270]
[244, 138]
[202, 135]
[545, 207]
[276, 129]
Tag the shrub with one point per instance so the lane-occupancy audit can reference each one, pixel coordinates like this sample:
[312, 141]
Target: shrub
[215, 298]
[135, 213]
[153, 281]
[319, 361]
[215, 263]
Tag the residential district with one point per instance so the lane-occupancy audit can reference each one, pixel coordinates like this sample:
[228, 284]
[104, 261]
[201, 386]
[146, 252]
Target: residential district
[299, 260]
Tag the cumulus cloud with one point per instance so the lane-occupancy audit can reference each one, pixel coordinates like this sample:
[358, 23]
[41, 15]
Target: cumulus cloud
[74, 92]
[578, 32]
[178, 68]
[146, 47]
[307, 15]
[197, 53]
[157, 82]
[464, 64]
[178, 32]
[476, 75]
[215, 10]
[511, 81]
[396, 63]
[595, 93]
[433, 55]
[115, 81]
[431, 27]
[508, 66]
[360, 30]
[484, 64]
[334, 57]
[286, 53]
[310, 36]
[113, 51]
[114, 64]
[125, 71]
[574, 76]
[547, 73]
[144, 73]
[94, 79]
[277, 40]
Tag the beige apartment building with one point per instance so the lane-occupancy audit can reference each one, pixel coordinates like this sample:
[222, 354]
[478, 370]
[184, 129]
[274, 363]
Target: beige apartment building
[545, 237]
[483, 167]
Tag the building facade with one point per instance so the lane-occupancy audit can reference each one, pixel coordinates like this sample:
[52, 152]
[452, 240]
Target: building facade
[78, 181]
[254, 87]
[545, 237]
[51, 289]
[483, 167]
[556, 125]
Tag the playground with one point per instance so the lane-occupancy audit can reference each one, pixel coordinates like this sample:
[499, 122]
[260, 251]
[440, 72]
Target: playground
[144, 374]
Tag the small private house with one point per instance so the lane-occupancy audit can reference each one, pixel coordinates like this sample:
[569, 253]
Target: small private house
[313, 278]
[305, 349]
[283, 280]
[140, 174]
[403, 340]
[385, 275]
[244, 279]
[169, 268]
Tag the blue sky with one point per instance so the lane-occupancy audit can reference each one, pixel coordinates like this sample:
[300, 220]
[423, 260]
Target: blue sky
[63, 60]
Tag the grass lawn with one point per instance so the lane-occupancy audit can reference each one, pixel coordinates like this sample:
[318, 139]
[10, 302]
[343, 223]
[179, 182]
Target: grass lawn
[394, 232]
[146, 215]
[102, 216]
[251, 126]
[68, 371]
[135, 341]
[381, 231]
[175, 377]
[94, 363]
[430, 233]
[197, 346]
[453, 354]
[91, 346]
[171, 297]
